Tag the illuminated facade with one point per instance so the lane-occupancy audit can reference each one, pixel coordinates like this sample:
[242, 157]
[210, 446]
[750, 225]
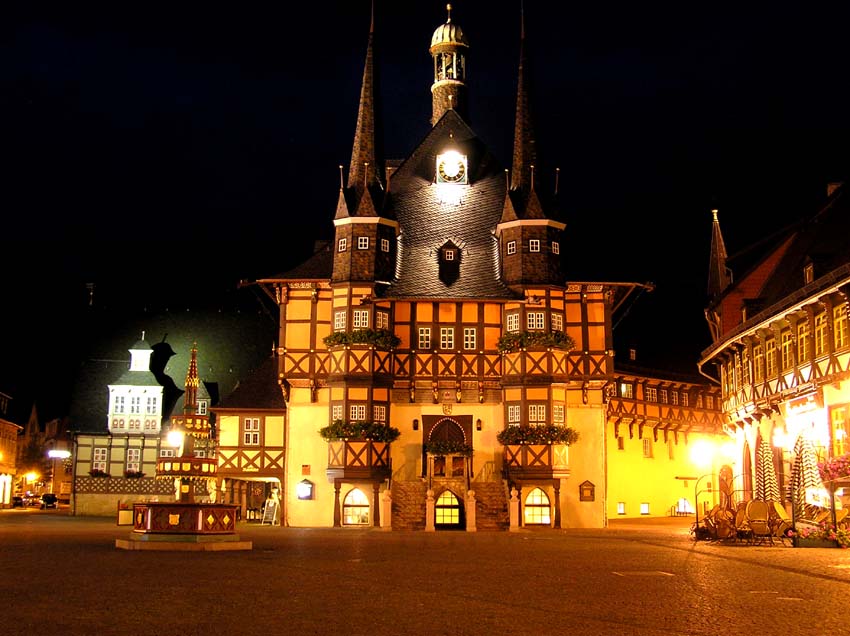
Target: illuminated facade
[9, 432]
[441, 309]
[781, 342]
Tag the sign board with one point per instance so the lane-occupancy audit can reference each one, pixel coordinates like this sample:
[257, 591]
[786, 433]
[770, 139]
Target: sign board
[270, 512]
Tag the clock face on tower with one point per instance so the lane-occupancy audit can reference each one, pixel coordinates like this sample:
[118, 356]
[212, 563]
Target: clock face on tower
[452, 168]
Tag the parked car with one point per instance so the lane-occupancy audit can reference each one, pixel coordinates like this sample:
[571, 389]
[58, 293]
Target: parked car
[17, 501]
[32, 500]
[49, 500]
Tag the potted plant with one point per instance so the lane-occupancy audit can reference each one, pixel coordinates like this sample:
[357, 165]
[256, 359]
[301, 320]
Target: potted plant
[378, 338]
[819, 536]
[374, 431]
[133, 474]
[835, 468]
[444, 447]
[517, 340]
[545, 434]
[97, 472]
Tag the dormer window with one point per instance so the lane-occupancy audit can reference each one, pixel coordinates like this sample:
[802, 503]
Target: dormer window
[449, 254]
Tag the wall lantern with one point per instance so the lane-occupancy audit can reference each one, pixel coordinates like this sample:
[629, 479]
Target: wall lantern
[58, 454]
[415, 425]
[478, 425]
[304, 489]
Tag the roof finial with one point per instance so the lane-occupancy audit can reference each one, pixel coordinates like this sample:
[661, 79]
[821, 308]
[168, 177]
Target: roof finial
[143, 334]
[449, 9]
[714, 214]
[557, 178]
[341, 182]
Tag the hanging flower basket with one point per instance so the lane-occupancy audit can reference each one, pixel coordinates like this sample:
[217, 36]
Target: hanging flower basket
[835, 468]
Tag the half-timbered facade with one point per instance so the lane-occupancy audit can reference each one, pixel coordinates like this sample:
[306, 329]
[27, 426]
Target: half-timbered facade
[781, 340]
[440, 308]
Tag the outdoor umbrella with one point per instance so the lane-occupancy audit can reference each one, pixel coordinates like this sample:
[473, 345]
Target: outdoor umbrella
[804, 474]
[747, 472]
[767, 486]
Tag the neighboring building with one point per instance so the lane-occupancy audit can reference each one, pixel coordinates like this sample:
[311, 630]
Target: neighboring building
[441, 308]
[781, 340]
[9, 433]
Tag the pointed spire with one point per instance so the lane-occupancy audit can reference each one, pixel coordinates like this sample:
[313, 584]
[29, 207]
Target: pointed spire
[363, 171]
[190, 397]
[719, 276]
[525, 149]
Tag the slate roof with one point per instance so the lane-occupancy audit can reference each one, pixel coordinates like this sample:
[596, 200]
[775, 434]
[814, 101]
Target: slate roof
[257, 391]
[319, 266]
[426, 224]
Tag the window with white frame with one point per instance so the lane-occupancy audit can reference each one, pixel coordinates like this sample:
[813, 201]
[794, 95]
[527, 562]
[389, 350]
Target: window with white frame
[558, 413]
[135, 405]
[424, 338]
[839, 326]
[336, 412]
[699, 400]
[470, 338]
[746, 374]
[447, 338]
[118, 404]
[535, 320]
[379, 413]
[644, 508]
[360, 319]
[134, 459]
[342, 245]
[362, 242]
[533, 245]
[98, 459]
[684, 399]
[651, 394]
[202, 407]
[674, 397]
[382, 320]
[803, 341]
[621, 507]
[536, 413]
[385, 245]
[449, 254]
[357, 412]
[758, 363]
[150, 406]
[820, 334]
[512, 322]
[664, 397]
[556, 247]
[514, 414]
[339, 320]
[166, 452]
[557, 322]
[625, 389]
[770, 357]
[511, 247]
[251, 431]
[709, 401]
[785, 348]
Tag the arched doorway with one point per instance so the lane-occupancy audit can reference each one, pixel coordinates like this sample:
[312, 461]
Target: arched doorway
[537, 510]
[355, 508]
[448, 512]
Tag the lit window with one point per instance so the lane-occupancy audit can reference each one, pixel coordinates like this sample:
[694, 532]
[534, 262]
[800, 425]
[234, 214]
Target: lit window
[533, 245]
[745, 367]
[336, 412]
[684, 399]
[511, 247]
[803, 341]
[535, 320]
[758, 363]
[513, 413]
[709, 402]
[557, 322]
[651, 394]
[625, 389]
[512, 322]
[251, 431]
[820, 334]
[536, 413]
[839, 326]
[447, 338]
[382, 320]
[558, 413]
[664, 397]
[785, 348]
[379, 413]
[342, 245]
[447, 509]
[385, 245]
[360, 319]
[556, 248]
[355, 509]
[357, 412]
[98, 461]
[449, 255]
[470, 339]
[536, 510]
[674, 397]
[166, 452]
[770, 357]
[362, 242]
[644, 508]
[621, 507]
[339, 321]
[134, 459]
[424, 338]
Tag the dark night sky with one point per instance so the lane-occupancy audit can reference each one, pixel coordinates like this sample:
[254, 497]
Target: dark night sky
[133, 132]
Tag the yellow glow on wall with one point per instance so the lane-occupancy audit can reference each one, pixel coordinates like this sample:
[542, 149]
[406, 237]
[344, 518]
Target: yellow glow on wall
[702, 453]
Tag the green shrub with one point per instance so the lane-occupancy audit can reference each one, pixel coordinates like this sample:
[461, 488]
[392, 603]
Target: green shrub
[517, 340]
[379, 338]
[448, 447]
[375, 431]
[546, 434]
